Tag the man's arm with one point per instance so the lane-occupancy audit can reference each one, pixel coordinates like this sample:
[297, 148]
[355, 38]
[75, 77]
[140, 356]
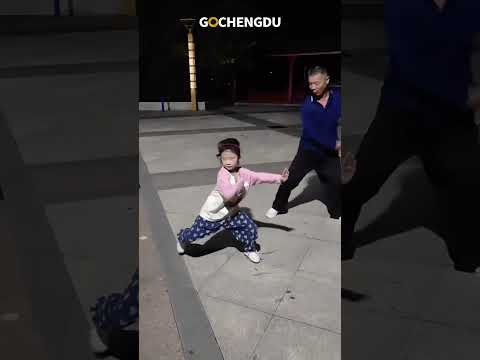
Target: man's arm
[338, 145]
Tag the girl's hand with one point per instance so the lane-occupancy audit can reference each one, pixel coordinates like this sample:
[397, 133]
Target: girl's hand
[284, 175]
[348, 167]
[338, 148]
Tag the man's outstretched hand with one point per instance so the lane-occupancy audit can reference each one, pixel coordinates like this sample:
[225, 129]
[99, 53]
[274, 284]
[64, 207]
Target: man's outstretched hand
[338, 148]
[284, 175]
[349, 166]
[474, 102]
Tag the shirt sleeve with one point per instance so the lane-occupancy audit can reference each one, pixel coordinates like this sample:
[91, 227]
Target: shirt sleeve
[255, 178]
[224, 186]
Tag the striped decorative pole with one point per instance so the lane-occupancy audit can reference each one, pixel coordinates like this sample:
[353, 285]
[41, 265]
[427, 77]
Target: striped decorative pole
[191, 62]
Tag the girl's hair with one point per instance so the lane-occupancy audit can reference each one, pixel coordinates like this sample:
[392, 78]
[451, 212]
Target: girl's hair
[231, 144]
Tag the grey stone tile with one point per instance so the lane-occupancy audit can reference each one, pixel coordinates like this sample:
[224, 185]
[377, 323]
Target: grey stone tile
[323, 260]
[97, 235]
[430, 341]
[280, 118]
[313, 300]
[456, 297]
[372, 335]
[258, 286]
[237, 329]
[187, 152]
[392, 287]
[287, 339]
[190, 123]
[93, 278]
[429, 249]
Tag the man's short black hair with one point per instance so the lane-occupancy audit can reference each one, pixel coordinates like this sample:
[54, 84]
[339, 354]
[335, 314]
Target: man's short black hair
[317, 70]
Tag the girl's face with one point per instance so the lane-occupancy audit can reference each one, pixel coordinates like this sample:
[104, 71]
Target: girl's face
[229, 160]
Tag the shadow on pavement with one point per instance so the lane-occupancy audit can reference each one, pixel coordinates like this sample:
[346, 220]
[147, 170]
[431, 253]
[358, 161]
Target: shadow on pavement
[221, 240]
[416, 205]
[224, 239]
[259, 223]
[314, 191]
[353, 296]
[122, 345]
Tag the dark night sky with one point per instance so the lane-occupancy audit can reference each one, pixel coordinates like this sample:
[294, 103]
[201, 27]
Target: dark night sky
[305, 28]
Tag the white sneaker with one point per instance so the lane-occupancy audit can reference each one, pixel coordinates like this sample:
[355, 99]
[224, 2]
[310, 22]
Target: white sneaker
[180, 248]
[271, 213]
[253, 256]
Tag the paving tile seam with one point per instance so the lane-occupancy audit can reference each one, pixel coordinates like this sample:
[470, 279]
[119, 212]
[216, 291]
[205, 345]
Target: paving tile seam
[261, 122]
[388, 314]
[99, 257]
[24, 203]
[157, 114]
[254, 351]
[49, 70]
[295, 235]
[301, 274]
[272, 314]
[309, 325]
[273, 317]
[322, 240]
[382, 260]
[93, 197]
[184, 297]
[167, 185]
[204, 282]
[153, 134]
[445, 266]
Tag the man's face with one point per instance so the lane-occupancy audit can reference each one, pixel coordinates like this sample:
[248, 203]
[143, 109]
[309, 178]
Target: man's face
[318, 83]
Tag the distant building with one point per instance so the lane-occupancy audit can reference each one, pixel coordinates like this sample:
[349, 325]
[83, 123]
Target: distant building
[282, 77]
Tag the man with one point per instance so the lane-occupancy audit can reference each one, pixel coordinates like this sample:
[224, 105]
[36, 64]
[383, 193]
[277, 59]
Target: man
[424, 110]
[319, 144]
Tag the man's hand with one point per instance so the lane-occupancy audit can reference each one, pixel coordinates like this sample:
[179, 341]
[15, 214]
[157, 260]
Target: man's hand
[474, 102]
[284, 175]
[348, 166]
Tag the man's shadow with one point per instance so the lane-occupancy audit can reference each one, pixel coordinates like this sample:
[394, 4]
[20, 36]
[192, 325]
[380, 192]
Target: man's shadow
[315, 190]
[417, 204]
[225, 239]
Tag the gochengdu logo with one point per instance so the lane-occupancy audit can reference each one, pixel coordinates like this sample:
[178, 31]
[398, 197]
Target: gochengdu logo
[241, 22]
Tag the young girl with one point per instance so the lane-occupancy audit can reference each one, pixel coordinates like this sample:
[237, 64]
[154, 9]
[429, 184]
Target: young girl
[221, 210]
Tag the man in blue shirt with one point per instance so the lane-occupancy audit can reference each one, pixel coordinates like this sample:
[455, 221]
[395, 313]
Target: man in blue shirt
[425, 111]
[319, 145]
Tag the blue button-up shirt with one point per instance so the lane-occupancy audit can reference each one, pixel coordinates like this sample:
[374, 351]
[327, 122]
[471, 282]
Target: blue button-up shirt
[320, 123]
[430, 50]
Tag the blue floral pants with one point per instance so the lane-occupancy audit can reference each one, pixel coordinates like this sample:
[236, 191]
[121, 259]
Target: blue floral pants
[117, 310]
[241, 225]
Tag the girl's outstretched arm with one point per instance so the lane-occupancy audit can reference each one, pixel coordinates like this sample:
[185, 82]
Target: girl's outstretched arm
[255, 178]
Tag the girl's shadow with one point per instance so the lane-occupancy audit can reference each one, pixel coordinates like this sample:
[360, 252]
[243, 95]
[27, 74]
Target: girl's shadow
[123, 345]
[225, 239]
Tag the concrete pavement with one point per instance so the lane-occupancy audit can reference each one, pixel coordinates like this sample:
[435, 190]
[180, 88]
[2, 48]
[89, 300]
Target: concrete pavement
[70, 207]
[288, 306]
[417, 306]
